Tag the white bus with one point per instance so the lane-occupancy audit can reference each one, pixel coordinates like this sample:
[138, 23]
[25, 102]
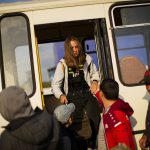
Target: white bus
[116, 33]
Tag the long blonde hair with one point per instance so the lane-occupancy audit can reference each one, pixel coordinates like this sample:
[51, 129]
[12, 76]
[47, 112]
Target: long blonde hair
[70, 60]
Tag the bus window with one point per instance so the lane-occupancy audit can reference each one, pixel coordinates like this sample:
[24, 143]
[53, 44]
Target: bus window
[15, 53]
[90, 48]
[132, 45]
[131, 55]
[51, 37]
[129, 15]
[50, 54]
[132, 36]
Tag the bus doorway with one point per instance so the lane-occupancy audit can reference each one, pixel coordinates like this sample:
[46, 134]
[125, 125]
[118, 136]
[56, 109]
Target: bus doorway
[51, 37]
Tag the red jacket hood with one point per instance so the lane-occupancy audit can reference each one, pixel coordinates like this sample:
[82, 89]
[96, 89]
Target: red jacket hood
[123, 106]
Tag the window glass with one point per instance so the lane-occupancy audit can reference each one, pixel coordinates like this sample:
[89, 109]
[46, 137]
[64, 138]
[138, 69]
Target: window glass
[90, 49]
[132, 50]
[131, 15]
[130, 41]
[132, 45]
[16, 54]
[50, 54]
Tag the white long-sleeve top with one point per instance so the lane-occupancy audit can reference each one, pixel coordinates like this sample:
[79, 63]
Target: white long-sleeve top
[61, 76]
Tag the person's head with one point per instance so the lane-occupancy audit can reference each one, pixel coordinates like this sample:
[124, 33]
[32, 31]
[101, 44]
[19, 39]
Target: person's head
[147, 80]
[74, 54]
[110, 89]
[63, 113]
[14, 103]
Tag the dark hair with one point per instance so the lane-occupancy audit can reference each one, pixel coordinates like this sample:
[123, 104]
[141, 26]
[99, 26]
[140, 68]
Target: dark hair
[110, 88]
[70, 60]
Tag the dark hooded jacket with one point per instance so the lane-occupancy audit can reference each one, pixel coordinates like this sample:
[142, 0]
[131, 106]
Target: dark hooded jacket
[28, 129]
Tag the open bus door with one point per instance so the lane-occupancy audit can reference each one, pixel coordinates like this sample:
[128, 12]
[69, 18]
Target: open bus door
[51, 37]
[103, 49]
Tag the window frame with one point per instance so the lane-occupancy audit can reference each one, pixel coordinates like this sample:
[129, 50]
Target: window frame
[30, 51]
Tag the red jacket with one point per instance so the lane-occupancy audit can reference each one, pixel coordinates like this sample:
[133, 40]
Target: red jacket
[117, 124]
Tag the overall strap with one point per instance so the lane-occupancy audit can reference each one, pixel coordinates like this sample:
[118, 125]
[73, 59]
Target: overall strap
[89, 68]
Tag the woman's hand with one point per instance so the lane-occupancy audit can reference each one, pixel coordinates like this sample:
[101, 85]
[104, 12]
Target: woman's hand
[94, 87]
[63, 99]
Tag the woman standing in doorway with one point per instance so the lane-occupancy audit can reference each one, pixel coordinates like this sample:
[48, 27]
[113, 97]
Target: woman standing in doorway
[75, 76]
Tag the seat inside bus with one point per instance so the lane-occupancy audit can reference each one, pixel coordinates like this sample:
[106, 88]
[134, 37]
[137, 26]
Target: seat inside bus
[132, 70]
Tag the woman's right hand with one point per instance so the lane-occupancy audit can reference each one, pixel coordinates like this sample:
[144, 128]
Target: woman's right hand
[63, 99]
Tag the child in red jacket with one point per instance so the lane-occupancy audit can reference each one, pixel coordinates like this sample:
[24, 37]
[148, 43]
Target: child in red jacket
[115, 125]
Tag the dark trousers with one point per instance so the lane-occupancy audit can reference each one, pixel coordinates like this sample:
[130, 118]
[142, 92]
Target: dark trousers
[85, 101]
